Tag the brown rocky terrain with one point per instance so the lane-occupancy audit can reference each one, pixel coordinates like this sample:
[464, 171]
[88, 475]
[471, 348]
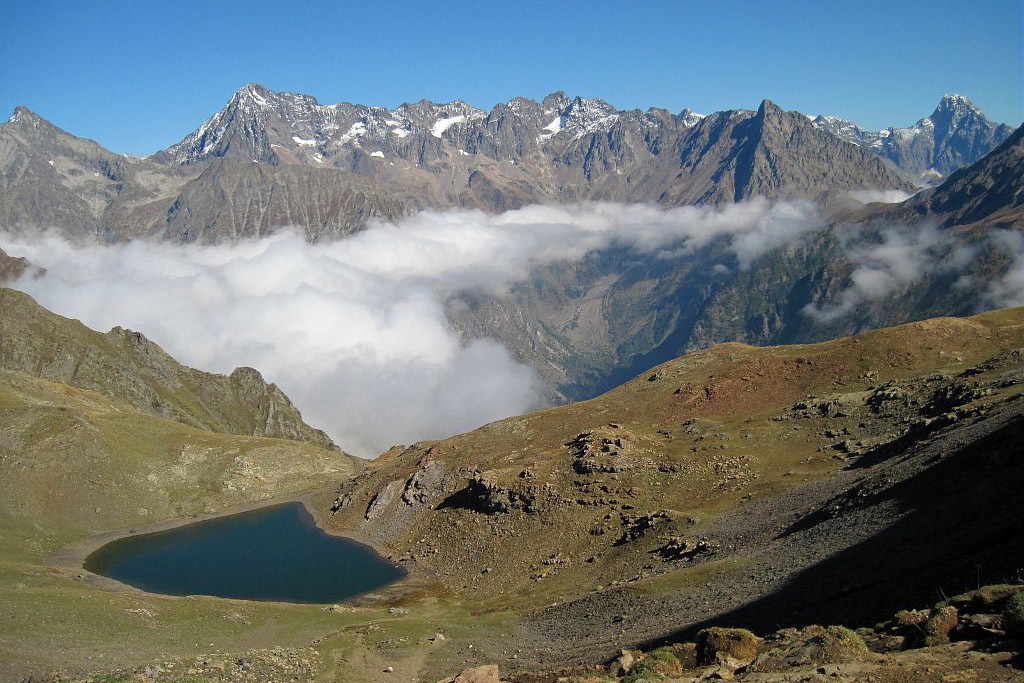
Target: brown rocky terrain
[736, 486]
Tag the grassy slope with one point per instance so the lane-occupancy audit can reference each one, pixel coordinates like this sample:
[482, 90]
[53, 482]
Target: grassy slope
[74, 462]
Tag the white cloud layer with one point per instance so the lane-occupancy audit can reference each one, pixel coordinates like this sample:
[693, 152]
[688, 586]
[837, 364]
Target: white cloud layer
[354, 331]
[1007, 290]
[882, 196]
[908, 255]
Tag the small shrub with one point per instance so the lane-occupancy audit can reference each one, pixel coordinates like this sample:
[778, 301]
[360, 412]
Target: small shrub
[838, 641]
[1013, 616]
[940, 622]
[643, 677]
[656, 665]
[663, 660]
[906, 620]
[989, 599]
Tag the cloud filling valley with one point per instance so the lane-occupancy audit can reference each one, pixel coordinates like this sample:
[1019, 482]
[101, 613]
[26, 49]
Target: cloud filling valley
[354, 331]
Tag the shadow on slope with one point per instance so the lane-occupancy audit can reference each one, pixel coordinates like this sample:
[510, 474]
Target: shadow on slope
[959, 524]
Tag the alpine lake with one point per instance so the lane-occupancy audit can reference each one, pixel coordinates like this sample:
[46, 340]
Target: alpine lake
[272, 553]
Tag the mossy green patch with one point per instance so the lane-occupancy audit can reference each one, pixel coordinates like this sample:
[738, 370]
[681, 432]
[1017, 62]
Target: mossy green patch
[839, 641]
[656, 665]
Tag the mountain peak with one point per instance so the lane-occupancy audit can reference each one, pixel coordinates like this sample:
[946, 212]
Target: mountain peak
[557, 101]
[25, 115]
[253, 89]
[956, 105]
[690, 118]
[768, 109]
[767, 106]
[262, 97]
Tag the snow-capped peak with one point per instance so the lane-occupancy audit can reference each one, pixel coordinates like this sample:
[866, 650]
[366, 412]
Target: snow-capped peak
[956, 105]
[584, 116]
[690, 118]
[24, 115]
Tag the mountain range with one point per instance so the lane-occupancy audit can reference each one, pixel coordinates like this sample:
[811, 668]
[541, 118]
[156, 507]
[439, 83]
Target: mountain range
[270, 159]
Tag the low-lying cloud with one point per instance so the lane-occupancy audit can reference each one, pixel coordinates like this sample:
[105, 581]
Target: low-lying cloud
[880, 196]
[354, 331]
[902, 257]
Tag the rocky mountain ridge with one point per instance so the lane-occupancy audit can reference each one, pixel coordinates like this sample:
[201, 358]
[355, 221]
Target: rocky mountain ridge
[281, 128]
[739, 486]
[270, 159]
[956, 134]
[125, 366]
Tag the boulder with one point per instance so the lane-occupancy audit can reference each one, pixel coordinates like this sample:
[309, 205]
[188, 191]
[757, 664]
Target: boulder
[622, 664]
[737, 643]
[381, 501]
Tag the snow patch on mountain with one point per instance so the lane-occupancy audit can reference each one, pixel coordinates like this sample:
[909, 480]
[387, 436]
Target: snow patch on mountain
[444, 124]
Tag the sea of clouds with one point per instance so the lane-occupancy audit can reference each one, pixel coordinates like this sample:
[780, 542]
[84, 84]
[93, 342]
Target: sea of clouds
[355, 331]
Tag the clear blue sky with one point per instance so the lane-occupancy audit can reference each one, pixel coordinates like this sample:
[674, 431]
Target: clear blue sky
[138, 75]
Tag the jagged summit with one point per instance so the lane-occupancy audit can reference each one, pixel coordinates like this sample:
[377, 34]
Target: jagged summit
[258, 123]
[281, 128]
[955, 134]
[956, 104]
[690, 118]
[26, 120]
[21, 113]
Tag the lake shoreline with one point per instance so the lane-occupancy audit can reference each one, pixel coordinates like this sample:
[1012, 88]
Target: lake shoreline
[71, 557]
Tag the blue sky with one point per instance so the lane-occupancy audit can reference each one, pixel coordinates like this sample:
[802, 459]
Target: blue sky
[138, 76]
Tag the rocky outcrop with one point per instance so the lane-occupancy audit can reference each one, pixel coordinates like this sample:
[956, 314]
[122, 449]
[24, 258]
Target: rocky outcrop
[606, 450]
[424, 485]
[11, 267]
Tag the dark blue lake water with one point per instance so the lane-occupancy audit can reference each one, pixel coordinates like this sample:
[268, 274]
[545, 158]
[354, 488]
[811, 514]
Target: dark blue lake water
[274, 553]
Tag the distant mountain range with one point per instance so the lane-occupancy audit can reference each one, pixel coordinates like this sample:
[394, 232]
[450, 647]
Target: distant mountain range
[591, 325]
[271, 159]
[956, 134]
